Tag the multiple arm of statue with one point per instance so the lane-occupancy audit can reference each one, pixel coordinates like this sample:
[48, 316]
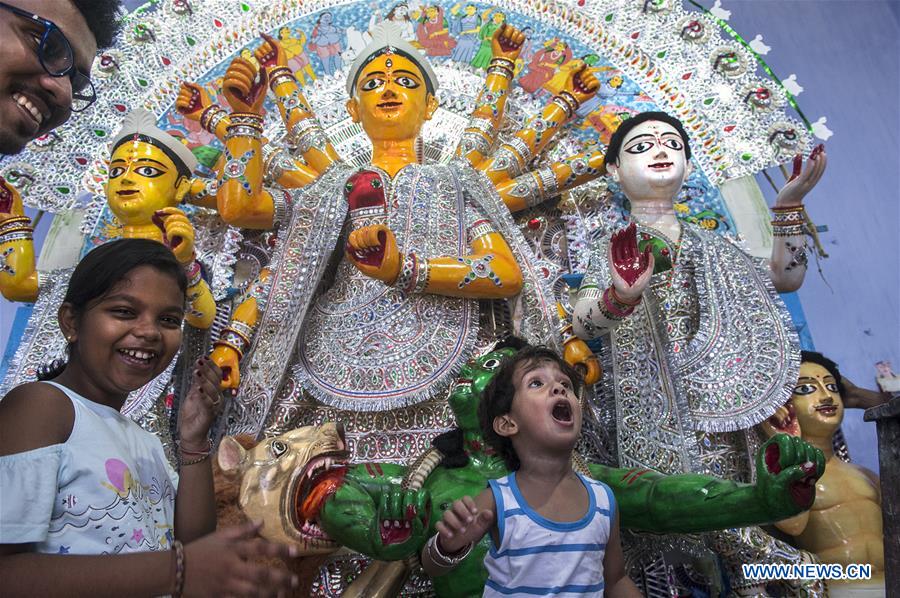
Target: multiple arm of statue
[788, 263]
[18, 274]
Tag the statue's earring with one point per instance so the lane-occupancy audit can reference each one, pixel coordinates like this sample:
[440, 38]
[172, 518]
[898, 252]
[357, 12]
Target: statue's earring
[420, 150]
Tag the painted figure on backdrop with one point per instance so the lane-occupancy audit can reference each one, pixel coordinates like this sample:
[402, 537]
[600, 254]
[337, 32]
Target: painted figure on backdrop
[297, 59]
[399, 14]
[465, 25]
[844, 524]
[433, 32]
[491, 22]
[527, 50]
[400, 315]
[544, 64]
[671, 302]
[150, 174]
[327, 40]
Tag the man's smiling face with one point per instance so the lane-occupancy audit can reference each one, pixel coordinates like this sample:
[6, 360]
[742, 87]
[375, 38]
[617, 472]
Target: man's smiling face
[31, 101]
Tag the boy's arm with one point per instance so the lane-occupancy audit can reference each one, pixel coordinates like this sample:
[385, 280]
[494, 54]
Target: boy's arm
[616, 582]
[463, 524]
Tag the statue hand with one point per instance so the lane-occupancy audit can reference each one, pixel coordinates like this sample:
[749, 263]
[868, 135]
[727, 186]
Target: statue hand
[784, 421]
[582, 84]
[787, 468]
[630, 268]
[802, 179]
[507, 42]
[579, 356]
[270, 54]
[245, 86]
[400, 522]
[373, 249]
[192, 100]
[10, 202]
[461, 524]
[178, 233]
[229, 363]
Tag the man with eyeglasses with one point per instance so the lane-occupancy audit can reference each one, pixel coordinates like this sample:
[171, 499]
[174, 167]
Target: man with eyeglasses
[47, 48]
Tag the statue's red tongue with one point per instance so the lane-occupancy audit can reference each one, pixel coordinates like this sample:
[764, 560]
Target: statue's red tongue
[326, 485]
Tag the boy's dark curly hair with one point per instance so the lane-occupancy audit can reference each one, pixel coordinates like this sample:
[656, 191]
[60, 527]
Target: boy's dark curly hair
[497, 398]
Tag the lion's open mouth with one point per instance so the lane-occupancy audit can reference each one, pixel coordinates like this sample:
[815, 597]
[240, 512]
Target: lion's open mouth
[321, 477]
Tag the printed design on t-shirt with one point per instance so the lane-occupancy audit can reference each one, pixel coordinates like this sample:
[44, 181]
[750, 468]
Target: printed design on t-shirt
[138, 516]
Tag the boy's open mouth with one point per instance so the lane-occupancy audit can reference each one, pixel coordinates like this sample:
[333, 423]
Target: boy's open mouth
[562, 412]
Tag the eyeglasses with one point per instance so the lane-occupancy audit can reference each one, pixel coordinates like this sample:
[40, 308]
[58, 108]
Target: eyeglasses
[58, 59]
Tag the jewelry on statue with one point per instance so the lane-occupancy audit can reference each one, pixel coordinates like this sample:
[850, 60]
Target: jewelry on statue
[568, 98]
[566, 107]
[480, 228]
[406, 280]
[235, 131]
[17, 228]
[624, 303]
[422, 276]
[281, 204]
[482, 125]
[194, 273]
[788, 230]
[443, 561]
[788, 216]
[503, 67]
[548, 181]
[306, 134]
[504, 62]
[211, 117]
[279, 75]
[613, 308]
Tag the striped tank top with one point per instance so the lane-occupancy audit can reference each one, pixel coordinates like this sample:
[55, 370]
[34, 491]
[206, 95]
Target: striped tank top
[539, 557]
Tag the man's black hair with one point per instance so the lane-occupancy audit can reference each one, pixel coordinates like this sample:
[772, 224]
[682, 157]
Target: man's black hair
[498, 396]
[615, 142]
[819, 359]
[102, 17]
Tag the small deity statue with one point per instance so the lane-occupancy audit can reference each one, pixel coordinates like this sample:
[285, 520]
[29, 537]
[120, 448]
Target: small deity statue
[428, 246]
[150, 173]
[844, 524]
[700, 345]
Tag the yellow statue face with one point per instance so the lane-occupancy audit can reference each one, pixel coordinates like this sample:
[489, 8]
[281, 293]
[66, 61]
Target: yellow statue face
[391, 100]
[142, 180]
[431, 12]
[499, 17]
[470, 9]
[816, 401]
[280, 474]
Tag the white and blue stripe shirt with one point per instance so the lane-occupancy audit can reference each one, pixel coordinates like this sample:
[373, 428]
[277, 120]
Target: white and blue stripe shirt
[539, 557]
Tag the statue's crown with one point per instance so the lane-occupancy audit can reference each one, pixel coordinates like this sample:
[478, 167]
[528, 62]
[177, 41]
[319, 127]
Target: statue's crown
[142, 123]
[387, 37]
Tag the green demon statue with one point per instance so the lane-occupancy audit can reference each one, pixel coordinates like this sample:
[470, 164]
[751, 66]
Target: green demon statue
[301, 485]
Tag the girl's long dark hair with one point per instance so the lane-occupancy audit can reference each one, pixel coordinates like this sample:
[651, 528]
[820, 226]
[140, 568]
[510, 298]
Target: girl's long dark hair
[104, 267]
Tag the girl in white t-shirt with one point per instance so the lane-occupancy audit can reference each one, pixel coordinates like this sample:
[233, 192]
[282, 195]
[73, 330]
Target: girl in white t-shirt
[88, 501]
